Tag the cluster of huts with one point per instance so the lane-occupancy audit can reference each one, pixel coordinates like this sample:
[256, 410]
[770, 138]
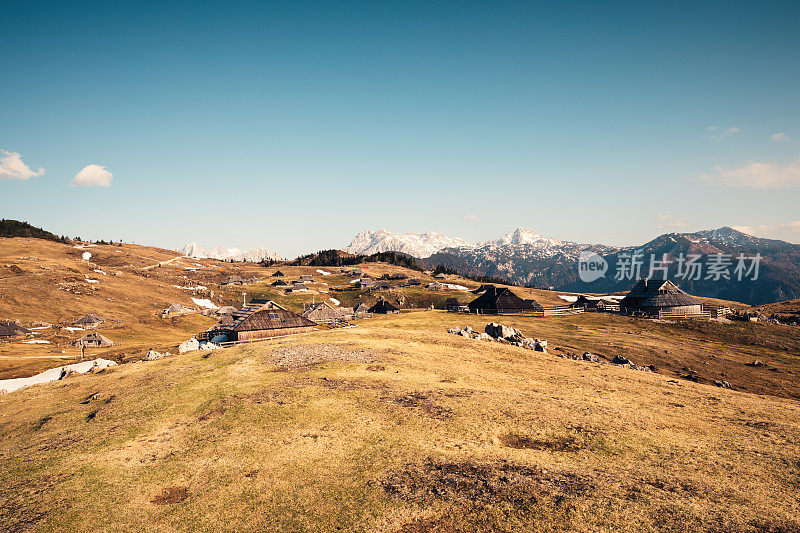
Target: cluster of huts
[649, 297]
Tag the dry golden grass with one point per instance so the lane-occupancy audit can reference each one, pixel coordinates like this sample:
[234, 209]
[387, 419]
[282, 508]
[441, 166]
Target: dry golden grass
[434, 433]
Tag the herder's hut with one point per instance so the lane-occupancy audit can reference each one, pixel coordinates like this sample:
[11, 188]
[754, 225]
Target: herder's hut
[176, 310]
[307, 278]
[299, 286]
[260, 322]
[89, 321]
[233, 280]
[361, 310]
[278, 274]
[364, 283]
[94, 339]
[452, 304]
[9, 330]
[383, 307]
[656, 297]
[323, 313]
[496, 301]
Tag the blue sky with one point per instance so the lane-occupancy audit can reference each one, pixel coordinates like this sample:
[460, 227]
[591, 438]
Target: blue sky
[296, 124]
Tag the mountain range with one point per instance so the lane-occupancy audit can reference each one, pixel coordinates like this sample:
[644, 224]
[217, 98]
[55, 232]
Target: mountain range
[524, 257]
[255, 255]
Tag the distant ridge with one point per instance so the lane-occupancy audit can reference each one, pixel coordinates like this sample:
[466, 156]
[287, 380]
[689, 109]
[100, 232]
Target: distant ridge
[255, 255]
[15, 228]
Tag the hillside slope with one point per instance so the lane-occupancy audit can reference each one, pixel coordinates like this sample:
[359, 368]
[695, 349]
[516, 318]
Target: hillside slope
[394, 426]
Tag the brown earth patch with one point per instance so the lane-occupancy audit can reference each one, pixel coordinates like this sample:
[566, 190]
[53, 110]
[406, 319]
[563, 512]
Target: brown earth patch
[423, 403]
[471, 483]
[566, 443]
[170, 495]
[376, 368]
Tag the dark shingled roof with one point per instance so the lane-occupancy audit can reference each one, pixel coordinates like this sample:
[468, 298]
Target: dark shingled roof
[272, 319]
[656, 293]
[383, 307]
[89, 319]
[11, 329]
[502, 300]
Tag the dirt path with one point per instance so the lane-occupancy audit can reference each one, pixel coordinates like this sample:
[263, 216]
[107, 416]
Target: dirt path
[162, 263]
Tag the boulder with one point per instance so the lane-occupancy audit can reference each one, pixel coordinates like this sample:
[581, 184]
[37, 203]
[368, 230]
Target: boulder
[499, 331]
[540, 346]
[483, 337]
[209, 346]
[189, 345]
[723, 384]
[152, 355]
[619, 360]
[590, 357]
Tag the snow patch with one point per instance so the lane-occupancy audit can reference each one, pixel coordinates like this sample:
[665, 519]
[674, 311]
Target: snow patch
[54, 374]
[205, 302]
[323, 272]
[335, 301]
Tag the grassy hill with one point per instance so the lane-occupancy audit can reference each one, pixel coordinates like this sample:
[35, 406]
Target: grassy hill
[397, 426]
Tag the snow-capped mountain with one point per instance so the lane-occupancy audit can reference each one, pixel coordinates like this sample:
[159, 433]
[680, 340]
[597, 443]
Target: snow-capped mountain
[522, 256]
[526, 236]
[255, 255]
[419, 245]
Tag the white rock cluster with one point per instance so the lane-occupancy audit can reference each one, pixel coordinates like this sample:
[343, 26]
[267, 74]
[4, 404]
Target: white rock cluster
[500, 333]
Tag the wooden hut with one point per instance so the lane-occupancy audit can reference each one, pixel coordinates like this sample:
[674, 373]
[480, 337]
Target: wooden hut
[233, 280]
[299, 286]
[452, 304]
[324, 313]
[278, 274]
[94, 339]
[264, 323]
[9, 330]
[500, 301]
[89, 321]
[307, 278]
[654, 297]
[176, 310]
[364, 283]
[361, 310]
[383, 307]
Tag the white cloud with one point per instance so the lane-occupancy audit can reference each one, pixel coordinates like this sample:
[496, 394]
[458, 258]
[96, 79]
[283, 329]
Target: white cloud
[718, 133]
[92, 176]
[780, 138]
[788, 231]
[12, 167]
[471, 217]
[666, 222]
[758, 175]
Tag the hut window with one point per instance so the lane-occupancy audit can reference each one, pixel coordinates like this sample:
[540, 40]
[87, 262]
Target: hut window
[273, 315]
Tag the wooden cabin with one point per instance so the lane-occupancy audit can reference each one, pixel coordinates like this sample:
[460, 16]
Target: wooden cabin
[324, 313]
[361, 310]
[233, 280]
[176, 310]
[278, 274]
[500, 301]
[89, 321]
[260, 319]
[364, 283]
[9, 330]
[653, 297]
[94, 339]
[384, 308]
